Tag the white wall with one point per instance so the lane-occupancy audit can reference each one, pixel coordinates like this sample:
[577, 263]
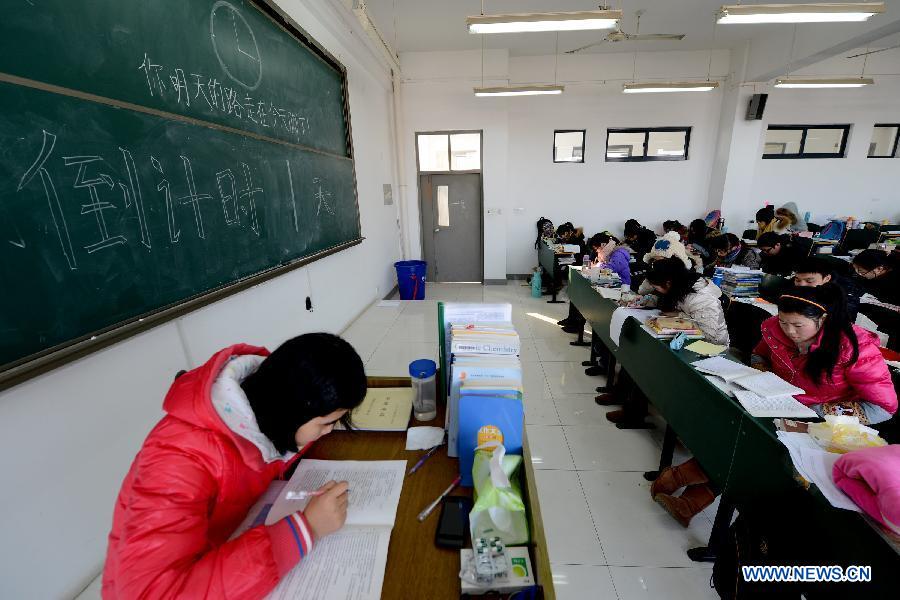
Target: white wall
[852, 186]
[68, 437]
[521, 183]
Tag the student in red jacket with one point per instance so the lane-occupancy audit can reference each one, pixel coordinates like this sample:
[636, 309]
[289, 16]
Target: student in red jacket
[231, 427]
[812, 344]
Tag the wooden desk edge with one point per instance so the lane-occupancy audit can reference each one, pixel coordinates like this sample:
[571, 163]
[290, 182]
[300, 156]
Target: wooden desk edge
[541, 566]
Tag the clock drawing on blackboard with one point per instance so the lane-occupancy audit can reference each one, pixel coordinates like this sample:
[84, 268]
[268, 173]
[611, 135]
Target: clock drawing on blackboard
[235, 45]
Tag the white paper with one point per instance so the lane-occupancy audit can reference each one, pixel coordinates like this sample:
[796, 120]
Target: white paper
[423, 438]
[347, 565]
[794, 441]
[621, 314]
[778, 406]
[726, 387]
[375, 487]
[768, 385]
[610, 293]
[728, 370]
[819, 464]
[260, 510]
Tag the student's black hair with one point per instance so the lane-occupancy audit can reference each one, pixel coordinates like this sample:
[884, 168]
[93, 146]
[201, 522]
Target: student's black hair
[565, 228]
[815, 264]
[809, 302]
[673, 272]
[309, 376]
[721, 242]
[733, 240]
[770, 238]
[697, 231]
[672, 225]
[872, 259]
[632, 227]
[602, 239]
[765, 214]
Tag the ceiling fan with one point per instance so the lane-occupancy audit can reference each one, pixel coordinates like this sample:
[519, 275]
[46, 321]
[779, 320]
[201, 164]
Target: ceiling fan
[620, 36]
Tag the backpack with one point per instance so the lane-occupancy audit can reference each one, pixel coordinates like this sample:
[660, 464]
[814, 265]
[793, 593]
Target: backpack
[833, 231]
[545, 229]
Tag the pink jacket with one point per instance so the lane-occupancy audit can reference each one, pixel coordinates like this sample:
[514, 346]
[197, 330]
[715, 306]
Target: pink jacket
[189, 487]
[871, 477]
[866, 379]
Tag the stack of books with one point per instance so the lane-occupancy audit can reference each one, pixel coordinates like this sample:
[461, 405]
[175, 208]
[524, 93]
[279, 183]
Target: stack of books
[741, 282]
[668, 327]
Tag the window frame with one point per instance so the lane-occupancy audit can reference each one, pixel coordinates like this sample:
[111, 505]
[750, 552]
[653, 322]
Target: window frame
[449, 133]
[804, 129]
[893, 153]
[583, 133]
[647, 131]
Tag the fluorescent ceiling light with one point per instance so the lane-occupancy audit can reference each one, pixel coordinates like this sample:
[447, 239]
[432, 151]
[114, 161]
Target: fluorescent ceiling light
[840, 82]
[799, 13]
[555, 21]
[669, 86]
[520, 90]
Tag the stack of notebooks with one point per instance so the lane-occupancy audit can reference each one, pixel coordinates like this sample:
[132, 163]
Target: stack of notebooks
[741, 282]
[484, 362]
[763, 394]
[668, 327]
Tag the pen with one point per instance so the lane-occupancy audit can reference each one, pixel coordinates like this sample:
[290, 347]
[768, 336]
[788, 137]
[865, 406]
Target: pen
[424, 514]
[302, 494]
[422, 460]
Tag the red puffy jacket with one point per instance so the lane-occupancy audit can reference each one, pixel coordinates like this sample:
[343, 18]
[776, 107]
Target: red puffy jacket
[866, 379]
[189, 487]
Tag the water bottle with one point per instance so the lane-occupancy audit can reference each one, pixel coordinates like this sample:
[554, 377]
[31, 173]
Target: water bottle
[536, 284]
[423, 373]
[586, 262]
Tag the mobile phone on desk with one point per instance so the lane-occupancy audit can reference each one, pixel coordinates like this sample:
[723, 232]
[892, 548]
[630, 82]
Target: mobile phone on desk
[454, 522]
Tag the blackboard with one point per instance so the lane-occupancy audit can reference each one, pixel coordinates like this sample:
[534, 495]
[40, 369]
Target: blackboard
[156, 156]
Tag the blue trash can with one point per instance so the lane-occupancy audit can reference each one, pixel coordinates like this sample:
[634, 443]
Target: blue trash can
[411, 279]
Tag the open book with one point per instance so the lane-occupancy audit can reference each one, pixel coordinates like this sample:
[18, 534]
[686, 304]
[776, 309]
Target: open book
[779, 406]
[351, 562]
[762, 383]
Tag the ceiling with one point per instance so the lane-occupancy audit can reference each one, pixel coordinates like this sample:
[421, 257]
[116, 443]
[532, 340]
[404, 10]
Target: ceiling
[439, 25]
[429, 25]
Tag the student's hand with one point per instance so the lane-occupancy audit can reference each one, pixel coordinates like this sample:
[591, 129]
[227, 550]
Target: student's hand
[328, 512]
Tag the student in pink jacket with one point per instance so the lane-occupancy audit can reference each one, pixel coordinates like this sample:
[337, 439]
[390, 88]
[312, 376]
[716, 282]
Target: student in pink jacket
[812, 344]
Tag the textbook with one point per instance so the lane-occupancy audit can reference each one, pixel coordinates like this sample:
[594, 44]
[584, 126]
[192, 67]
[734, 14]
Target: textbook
[778, 406]
[672, 326]
[763, 383]
[349, 563]
[383, 409]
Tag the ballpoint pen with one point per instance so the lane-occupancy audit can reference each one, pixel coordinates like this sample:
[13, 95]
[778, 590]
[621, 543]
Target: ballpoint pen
[424, 514]
[422, 460]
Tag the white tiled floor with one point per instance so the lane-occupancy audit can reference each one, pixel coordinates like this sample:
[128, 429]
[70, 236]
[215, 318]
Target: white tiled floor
[606, 537]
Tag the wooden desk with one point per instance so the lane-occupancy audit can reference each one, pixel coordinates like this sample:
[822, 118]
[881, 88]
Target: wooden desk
[740, 453]
[416, 567]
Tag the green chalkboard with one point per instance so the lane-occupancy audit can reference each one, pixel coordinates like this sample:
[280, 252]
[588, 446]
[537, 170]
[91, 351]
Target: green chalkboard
[153, 154]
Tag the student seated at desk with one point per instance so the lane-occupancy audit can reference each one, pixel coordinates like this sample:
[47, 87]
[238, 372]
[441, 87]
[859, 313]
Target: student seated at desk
[814, 271]
[685, 292]
[732, 252]
[698, 238]
[879, 275]
[788, 220]
[607, 254]
[782, 253]
[812, 344]
[638, 238]
[232, 426]
[765, 220]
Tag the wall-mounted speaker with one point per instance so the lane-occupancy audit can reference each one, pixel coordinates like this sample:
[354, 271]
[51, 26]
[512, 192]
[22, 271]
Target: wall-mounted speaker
[756, 107]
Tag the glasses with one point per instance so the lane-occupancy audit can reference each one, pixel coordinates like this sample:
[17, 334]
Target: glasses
[766, 250]
[863, 272]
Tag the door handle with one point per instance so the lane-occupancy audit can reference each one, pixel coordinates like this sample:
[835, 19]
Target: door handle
[436, 230]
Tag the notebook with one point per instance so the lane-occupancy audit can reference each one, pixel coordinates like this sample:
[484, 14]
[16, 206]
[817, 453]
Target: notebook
[779, 406]
[383, 409]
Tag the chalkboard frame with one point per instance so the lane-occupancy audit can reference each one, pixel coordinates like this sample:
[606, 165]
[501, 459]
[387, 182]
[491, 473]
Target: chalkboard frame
[39, 363]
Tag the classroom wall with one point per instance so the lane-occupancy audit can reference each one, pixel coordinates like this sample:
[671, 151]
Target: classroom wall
[521, 181]
[68, 437]
[852, 186]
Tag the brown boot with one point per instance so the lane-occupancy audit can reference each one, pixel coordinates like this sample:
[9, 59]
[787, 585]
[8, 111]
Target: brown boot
[672, 479]
[683, 508]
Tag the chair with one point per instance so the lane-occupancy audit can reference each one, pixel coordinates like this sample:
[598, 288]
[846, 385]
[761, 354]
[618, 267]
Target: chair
[858, 239]
[749, 234]
[772, 286]
[813, 228]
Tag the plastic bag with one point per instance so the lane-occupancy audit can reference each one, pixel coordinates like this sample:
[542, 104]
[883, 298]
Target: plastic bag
[499, 510]
[844, 434]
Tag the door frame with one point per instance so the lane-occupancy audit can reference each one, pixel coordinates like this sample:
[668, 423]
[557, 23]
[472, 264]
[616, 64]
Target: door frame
[479, 172]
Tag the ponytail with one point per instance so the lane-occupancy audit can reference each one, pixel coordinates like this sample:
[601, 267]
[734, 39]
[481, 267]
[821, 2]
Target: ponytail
[827, 300]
